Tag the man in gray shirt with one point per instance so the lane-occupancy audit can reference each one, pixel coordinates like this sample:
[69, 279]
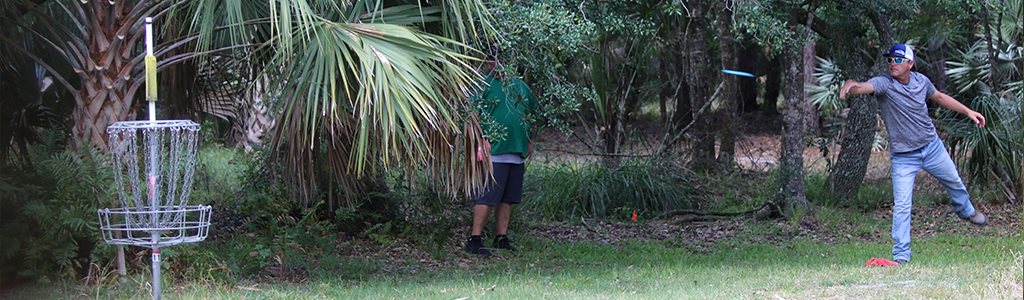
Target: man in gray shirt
[913, 142]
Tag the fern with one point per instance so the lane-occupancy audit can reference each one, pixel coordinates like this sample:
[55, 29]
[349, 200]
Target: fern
[49, 219]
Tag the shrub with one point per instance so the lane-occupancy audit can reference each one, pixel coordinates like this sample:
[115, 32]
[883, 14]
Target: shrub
[869, 198]
[568, 190]
[424, 204]
[993, 152]
[219, 172]
[48, 213]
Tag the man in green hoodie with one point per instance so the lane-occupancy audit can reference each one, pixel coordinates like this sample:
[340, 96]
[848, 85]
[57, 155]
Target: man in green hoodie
[507, 100]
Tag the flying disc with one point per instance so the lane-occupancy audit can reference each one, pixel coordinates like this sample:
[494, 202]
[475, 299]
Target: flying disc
[738, 73]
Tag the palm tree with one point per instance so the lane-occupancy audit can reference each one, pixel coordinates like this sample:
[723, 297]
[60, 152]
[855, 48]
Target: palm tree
[97, 40]
[360, 87]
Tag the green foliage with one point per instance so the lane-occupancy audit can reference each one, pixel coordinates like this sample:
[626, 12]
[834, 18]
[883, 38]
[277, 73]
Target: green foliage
[869, 198]
[736, 191]
[29, 104]
[219, 173]
[766, 23]
[49, 223]
[263, 226]
[570, 190]
[196, 263]
[824, 93]
[286, 241]
[969, 68]
[547, 40]
[993, 152]
[262, 193]
[422, 204]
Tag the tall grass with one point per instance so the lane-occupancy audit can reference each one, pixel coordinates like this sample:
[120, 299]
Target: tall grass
[869, 198]
[572, 189]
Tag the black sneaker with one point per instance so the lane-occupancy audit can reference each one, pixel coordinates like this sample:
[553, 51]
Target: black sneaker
[501, 242]
[901, 262]
[475, 246]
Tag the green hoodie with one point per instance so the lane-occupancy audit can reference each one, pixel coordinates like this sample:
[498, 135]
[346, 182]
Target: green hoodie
[511, 105]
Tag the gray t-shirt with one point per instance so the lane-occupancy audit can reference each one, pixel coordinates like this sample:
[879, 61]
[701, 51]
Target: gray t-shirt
[904, 111]
[508, 158]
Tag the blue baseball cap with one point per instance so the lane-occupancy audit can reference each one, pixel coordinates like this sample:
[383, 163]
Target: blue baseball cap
[900, 50]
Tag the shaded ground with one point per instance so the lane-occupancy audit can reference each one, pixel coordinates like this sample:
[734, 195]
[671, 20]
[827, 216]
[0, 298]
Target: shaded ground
[410, 258]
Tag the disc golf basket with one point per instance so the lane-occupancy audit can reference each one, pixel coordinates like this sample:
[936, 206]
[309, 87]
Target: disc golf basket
[153, 166]
[154, 162]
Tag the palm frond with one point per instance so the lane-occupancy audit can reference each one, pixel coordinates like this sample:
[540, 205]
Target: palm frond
[993, 152]
[825, 93]
[364, 92]
[969, 70]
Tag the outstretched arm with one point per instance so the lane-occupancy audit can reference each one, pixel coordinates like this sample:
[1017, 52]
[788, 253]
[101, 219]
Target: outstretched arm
[856, 88]
[951, 104]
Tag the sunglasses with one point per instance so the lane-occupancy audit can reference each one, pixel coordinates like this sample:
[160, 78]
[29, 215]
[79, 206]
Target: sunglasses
[896, 60]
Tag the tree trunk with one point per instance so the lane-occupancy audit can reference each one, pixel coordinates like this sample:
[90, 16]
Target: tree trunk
[684, 112]
[727, 148]
[772, 86]
[846, 177]
[747, 89]
[666, 91]
[939, 78]
[994, 80]
[791, 174]
[811, 116]
[703, 147]
[104, 97]
[610, 138]
[848, 174]
[671, 69]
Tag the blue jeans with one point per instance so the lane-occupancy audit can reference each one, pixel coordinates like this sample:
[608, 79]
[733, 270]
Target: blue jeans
[934, 159]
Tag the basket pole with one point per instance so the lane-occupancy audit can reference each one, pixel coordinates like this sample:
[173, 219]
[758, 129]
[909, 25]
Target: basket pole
[154, 195]
[156, 272]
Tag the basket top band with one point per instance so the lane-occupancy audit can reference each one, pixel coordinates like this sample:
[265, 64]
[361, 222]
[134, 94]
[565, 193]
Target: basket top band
[169, 124]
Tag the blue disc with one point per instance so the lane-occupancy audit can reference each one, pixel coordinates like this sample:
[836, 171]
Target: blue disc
[738, 73]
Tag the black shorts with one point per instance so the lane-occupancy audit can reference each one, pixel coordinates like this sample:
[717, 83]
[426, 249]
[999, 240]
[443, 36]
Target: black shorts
[506, 187]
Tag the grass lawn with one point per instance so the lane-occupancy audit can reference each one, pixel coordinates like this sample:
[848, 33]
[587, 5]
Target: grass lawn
[985, 264]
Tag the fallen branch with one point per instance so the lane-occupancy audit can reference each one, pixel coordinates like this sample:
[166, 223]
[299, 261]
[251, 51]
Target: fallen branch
[694, 218]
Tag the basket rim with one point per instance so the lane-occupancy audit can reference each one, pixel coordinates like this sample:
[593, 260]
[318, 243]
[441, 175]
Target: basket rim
[145, 124]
